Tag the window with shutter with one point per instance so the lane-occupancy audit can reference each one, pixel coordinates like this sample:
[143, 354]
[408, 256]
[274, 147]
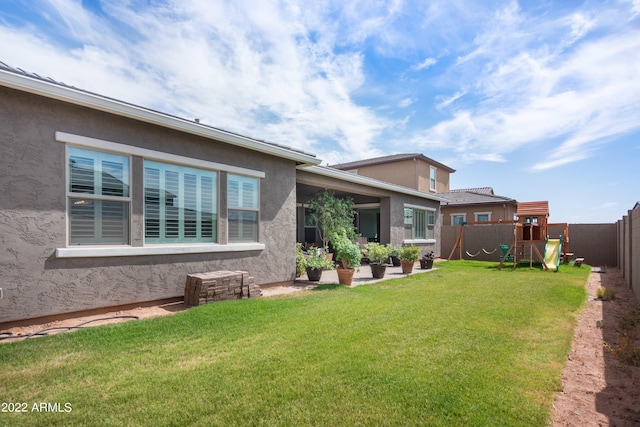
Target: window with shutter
[243, 208]
[180, 204]
[98, 197]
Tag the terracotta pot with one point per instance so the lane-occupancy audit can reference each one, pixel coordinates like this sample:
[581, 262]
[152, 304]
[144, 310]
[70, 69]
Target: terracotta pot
[378, 270]
[314, 274]
[407, 267]
[345, 275]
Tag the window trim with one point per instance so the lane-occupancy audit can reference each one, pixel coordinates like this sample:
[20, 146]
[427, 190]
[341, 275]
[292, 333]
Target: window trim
[130, 150]
[128, 200]
[435, 177]
[463, 215]
[257, 209]
[476, 214]
[96, 251]
[159, 249]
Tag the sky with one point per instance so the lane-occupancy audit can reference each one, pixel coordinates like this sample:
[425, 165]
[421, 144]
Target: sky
[538, 99]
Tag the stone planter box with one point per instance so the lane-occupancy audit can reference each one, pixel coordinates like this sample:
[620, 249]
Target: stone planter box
[214, 286]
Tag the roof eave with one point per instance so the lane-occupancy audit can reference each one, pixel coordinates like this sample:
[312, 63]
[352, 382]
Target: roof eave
[358, 179]
[96, 102]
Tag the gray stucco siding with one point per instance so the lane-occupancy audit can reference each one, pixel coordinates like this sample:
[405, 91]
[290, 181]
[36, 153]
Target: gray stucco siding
[33, 218]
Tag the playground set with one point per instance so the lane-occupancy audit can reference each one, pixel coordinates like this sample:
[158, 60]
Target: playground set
[530, 227]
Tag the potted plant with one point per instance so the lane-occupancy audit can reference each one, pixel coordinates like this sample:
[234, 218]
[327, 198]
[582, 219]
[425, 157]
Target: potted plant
[315, 262]
[378, 255]
[426, 262]
[394, 254]
[331, 214]
[348, 255]
[408, 256]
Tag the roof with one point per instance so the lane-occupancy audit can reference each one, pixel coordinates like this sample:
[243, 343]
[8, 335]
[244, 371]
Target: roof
[370, 182]
[19, 79]
[469, 197]
[533, 208]
[390, 159]
[479, 190]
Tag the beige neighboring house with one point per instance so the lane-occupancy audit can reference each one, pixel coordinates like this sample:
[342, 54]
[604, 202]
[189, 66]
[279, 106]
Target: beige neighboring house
[412, 170]
[476, 204]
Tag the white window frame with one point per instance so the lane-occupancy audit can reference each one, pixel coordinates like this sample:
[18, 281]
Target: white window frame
[96, 198]
[429, 213]
[240, 208]
[463, 215]
[152, 249]
[477, 214]
[433, 171]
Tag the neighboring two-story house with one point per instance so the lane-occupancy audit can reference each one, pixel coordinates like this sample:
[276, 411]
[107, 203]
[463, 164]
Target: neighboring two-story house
[476, 205]
[412, 170]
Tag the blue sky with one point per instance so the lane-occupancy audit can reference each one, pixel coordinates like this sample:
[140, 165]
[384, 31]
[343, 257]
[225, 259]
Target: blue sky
[538, 99]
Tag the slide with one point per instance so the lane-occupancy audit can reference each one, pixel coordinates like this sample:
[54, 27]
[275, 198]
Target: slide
[552, 253]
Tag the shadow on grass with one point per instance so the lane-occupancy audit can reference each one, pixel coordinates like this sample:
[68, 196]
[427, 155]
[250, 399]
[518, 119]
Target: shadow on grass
[328, 287]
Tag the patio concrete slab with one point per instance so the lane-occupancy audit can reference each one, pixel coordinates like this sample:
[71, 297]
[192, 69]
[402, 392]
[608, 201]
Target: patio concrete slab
[361, 277]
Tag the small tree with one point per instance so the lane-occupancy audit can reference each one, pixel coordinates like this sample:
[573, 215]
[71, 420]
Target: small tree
[332, 214]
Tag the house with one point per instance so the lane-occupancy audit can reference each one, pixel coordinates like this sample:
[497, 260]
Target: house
[106, 203]
[476, 205]
[411, 170]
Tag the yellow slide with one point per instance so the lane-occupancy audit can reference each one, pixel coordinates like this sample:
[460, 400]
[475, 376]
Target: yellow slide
[552, 253]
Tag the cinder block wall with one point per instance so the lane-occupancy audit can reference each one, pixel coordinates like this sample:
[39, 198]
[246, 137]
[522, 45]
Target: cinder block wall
[634, 279]
[596, 243]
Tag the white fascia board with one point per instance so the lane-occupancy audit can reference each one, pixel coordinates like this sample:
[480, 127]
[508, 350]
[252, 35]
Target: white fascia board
[370, 182]
[96, 102]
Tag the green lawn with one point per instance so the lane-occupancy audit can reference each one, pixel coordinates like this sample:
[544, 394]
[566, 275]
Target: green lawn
[464, 345]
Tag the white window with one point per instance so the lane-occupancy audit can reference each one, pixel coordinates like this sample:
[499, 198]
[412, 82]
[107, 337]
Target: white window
[483, 216]
[98, 197]
[243, 208]
[419, 224]
[432, 178]
[180, 204]
[458, 219]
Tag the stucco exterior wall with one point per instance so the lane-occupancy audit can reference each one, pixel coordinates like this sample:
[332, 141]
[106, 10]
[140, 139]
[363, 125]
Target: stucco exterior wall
[400, 173]
[33, 214]
[408, 173]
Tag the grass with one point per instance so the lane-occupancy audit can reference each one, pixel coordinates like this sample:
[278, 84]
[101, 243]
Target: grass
[463, 345]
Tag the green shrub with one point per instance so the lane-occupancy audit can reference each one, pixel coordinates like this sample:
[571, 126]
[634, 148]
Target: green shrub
[377, 252]
[347, 252]
[317, 259]
[410, 253]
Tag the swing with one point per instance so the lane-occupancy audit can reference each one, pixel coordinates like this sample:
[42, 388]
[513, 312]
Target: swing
[487, 252]
[473, 255]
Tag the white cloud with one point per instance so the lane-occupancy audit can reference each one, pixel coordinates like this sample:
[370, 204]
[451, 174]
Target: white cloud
[257, 71]
[571, 94]
[444, 102]
[424, 64]
[406, 102]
